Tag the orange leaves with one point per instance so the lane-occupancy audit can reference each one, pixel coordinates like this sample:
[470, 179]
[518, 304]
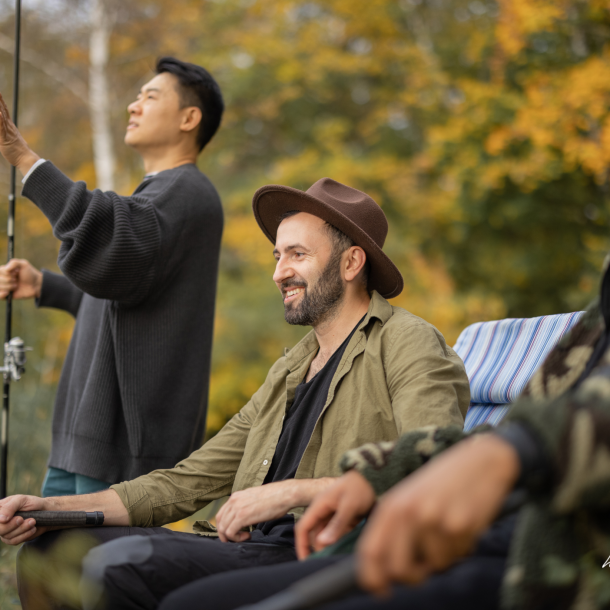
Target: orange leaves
[520, 18]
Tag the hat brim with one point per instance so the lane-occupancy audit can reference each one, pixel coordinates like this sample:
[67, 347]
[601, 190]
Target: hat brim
[270, 202]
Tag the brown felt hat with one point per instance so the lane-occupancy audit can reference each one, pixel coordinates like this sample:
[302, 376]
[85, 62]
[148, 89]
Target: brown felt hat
[347, 209]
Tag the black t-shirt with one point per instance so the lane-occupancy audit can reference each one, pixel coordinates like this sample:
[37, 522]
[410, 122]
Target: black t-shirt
[309, 400]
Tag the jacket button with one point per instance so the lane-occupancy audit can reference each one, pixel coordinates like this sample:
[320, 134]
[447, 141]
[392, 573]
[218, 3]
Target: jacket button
[265, 462]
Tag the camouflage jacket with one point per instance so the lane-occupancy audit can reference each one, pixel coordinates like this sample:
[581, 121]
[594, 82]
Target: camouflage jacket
[562, 538]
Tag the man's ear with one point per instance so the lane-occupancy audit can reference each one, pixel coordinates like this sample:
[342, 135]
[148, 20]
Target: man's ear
[354, 263]
[191, 118]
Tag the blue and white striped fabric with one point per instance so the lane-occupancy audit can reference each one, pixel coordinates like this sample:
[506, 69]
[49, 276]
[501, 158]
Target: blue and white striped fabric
[500, 358]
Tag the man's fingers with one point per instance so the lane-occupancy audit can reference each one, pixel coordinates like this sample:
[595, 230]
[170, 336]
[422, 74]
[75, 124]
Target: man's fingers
[372, 571]
[9, 506]
[3, 107]
[308, 526]
[14, 264]
[29, 534]
[305, 538]
[340, 524]
[17, 528]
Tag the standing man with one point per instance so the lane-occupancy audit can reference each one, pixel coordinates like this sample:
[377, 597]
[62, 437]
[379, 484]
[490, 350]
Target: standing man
[140, 277]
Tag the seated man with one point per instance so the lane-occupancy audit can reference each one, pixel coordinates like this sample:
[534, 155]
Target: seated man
[439, 528]
[368, 372]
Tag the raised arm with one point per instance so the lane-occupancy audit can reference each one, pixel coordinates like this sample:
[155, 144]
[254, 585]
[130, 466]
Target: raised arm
[109, 243]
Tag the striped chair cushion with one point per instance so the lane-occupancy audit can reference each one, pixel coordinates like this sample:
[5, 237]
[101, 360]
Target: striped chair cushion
[500, 358]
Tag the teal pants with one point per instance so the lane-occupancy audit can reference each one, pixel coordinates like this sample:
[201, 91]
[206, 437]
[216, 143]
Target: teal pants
[61, 483]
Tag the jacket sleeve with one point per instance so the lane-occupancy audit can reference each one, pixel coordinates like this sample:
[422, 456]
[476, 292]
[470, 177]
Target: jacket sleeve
[59, 292]
[385, 464]
[109, 243]
[574, 431]
[166, 496]
[426, 379]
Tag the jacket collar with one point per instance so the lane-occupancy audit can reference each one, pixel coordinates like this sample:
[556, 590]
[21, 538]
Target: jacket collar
[307, 347]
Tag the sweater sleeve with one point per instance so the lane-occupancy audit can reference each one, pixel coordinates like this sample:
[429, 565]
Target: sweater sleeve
[109, 243]
[59, 292]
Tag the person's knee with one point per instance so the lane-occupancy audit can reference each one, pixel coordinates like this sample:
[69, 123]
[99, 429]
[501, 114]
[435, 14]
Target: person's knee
[127, 551]
[49, 568]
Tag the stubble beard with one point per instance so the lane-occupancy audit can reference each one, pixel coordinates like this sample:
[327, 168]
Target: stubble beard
[321, 302]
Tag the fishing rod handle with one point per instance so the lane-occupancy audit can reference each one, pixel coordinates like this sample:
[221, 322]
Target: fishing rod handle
[63, 518]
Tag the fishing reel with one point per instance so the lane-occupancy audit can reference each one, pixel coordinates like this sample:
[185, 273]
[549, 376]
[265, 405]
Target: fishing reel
[14, 359]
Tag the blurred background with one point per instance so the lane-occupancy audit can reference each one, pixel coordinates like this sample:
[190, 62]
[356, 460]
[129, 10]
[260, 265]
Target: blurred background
[482, 128]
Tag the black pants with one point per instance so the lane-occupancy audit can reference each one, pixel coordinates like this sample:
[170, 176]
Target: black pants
[133, 568]
[472, 584]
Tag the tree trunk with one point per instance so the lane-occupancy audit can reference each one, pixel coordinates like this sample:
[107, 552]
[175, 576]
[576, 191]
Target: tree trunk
[99, 102]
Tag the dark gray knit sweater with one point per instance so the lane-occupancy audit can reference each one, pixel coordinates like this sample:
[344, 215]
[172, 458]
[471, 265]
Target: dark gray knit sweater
[140, 277]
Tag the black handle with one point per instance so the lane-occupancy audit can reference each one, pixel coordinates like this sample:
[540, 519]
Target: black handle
[63, 518]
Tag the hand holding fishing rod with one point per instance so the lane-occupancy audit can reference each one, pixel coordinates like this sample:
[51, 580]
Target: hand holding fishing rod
[23, 517]
[13, 146]
[16, 151]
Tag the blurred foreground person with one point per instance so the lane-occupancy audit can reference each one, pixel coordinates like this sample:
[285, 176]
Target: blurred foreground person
[435, 528]
[367, 372]
[140, 278]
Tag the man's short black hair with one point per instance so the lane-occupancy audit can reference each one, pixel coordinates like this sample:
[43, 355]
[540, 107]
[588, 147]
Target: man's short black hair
[197, 88]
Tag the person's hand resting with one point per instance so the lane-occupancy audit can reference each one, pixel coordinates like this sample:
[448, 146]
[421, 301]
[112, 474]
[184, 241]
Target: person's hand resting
[21, 278]
[436, 515]
[263, 503]
[15, 530]
[333, 513]
[12, 145]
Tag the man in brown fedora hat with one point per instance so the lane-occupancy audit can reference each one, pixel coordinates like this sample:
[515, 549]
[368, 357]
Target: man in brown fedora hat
[367, 372]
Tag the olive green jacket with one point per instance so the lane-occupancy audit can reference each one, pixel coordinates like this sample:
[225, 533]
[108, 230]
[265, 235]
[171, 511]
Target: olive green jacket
[396, 374]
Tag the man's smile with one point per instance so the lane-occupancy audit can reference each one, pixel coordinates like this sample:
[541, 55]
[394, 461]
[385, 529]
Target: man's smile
[132, 125]
[291, 294]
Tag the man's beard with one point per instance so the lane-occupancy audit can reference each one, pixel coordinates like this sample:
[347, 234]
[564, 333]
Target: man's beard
[321, 301]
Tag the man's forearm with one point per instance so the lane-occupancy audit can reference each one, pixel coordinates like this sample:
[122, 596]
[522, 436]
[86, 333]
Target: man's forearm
[301, 492]
[26, 161]
[107, 502]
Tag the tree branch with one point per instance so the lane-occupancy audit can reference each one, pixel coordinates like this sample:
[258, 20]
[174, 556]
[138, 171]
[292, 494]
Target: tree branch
[50, 68]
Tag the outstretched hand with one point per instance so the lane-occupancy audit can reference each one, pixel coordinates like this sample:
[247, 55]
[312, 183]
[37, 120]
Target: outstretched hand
[12, 145]
[435, 516]
[333, 513]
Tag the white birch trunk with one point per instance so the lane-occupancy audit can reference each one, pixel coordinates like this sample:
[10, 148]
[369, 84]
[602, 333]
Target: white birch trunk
[99, 98]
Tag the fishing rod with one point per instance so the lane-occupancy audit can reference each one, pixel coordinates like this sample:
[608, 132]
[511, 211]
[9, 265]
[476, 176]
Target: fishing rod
[341, 579]
[14, 350]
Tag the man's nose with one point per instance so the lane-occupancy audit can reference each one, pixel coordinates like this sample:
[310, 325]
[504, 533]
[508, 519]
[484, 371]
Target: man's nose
[282, 271]
[134, 107]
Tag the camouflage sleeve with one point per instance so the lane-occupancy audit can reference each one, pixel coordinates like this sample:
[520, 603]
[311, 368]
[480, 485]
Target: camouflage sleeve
[575, 432]
[385, 464]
